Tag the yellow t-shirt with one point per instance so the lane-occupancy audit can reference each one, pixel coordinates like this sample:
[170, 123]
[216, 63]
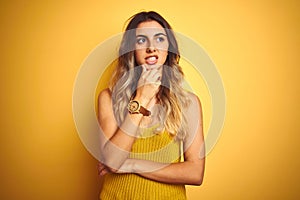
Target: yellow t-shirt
[160, 147]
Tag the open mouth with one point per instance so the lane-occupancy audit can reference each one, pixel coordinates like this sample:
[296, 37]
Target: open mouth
[151, 60]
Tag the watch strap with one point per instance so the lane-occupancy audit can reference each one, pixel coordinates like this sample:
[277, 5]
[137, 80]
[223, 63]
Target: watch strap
[144, 111]
[139, 108]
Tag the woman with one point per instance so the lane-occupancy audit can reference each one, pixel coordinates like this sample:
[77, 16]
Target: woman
[153, 144]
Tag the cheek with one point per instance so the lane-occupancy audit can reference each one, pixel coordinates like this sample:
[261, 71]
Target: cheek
[163, 56]
[164, 53]
[138, 56]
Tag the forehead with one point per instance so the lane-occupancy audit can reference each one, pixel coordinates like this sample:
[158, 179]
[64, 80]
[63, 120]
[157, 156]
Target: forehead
[149, 28]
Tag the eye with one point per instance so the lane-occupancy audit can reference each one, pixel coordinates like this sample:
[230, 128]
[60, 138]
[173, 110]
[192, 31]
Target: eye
[140, 40]
[160, 39]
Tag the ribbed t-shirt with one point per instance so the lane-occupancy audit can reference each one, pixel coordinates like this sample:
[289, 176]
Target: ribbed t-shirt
[161, 147]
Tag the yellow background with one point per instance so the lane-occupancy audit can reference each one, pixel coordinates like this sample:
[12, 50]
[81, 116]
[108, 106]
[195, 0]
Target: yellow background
[255, 45]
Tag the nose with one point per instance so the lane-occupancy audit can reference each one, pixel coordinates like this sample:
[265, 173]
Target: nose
[151, 49]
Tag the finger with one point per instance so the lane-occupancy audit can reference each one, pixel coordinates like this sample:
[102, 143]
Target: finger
[155, 75]
[144, 68]
[153, 72]
[146, 71]
[146, 78]
[150, 77]
[103, 172]
[151, 67]
[158, 83]
[159, 67]
[101, 167]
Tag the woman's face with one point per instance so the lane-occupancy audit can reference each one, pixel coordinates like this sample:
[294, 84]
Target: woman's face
[151, 45]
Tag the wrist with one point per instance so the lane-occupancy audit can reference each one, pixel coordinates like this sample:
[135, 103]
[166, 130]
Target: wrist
[144, 101]
[136, 107]
[132, 165]
[130, 125]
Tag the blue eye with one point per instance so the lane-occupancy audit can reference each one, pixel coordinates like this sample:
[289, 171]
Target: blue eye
[160, 39]
[141, 40]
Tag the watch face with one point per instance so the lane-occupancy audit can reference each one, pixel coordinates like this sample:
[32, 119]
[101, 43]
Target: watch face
[133, 106]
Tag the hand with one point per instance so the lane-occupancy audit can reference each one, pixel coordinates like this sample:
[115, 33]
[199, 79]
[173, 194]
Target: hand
[149, 82]
[102, 169]
[127, 167]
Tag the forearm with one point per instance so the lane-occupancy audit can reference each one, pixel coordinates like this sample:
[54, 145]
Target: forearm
[116, 140]
[117, 148]
[188, 172]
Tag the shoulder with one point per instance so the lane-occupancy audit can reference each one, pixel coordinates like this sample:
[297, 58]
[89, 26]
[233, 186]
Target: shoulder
[194, 100]
[194, 119]
[104, 97]
[193, 111]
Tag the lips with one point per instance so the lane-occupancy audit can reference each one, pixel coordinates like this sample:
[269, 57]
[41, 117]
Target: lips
[151, 60]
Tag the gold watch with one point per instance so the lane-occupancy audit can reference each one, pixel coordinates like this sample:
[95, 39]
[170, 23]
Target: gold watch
[134, 107]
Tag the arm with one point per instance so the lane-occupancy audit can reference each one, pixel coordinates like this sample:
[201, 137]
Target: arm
[190, 171]
[115, 143]
[117, 139]
[175, 173]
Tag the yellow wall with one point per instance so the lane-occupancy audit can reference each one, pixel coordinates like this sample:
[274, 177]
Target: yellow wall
[255, 45]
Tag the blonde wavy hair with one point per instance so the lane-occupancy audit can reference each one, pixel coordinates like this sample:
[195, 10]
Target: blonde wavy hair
[171, 96]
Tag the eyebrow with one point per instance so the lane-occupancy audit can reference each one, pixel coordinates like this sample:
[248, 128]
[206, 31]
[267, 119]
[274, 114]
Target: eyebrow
[157, 34]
